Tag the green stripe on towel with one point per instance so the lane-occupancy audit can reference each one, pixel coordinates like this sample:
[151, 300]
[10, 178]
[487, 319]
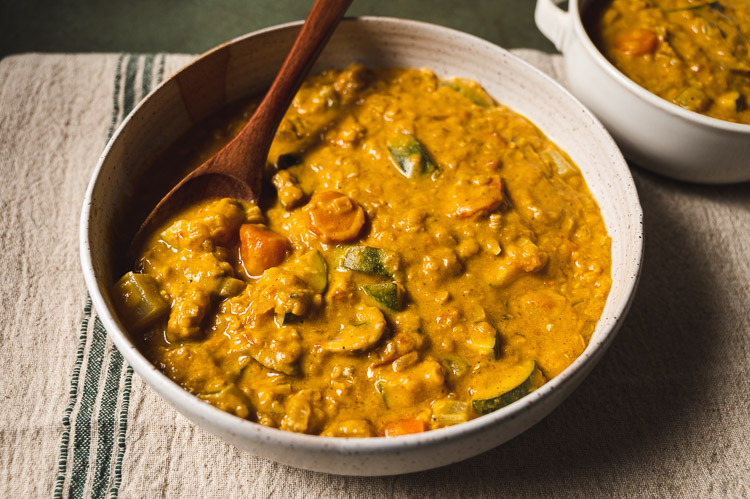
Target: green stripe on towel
[123, 420]
[97, 405]
[65, 440]
[123, 427]
[82, 435]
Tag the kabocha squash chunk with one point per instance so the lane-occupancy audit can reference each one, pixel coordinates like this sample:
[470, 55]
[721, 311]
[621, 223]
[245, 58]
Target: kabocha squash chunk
[519, 383]
[261, 248]
[637, 42]
[479, 198]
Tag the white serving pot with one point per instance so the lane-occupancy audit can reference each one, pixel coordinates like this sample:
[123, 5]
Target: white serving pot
[651, 131]
[246, 66]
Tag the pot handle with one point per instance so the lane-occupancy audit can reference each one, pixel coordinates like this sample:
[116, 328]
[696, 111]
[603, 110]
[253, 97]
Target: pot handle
[552, 21]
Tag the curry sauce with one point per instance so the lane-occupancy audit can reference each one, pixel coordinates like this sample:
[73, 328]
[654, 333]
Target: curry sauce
[693, 53]
[421, 256]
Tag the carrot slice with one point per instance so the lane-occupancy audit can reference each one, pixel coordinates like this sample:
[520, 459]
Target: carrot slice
[403, 427]
[638, 41]
[261, 248]
[334, 217]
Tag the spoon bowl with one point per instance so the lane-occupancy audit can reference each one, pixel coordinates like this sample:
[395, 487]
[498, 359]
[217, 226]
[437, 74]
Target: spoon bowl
[236, 171]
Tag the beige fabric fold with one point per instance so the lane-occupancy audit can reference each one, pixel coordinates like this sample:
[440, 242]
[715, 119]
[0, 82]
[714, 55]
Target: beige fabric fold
[666, 413]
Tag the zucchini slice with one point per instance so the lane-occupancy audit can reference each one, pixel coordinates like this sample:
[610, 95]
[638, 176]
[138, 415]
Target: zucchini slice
[231, 287]
[361, 335]
[454, 366]
[471, 90]
[138, 301]
[387, 295]
[265, 358]
[519, 384]
[314, 271]
[449, 412]
[288, 160]
[370, 260]
[410, 156]
[394, 396]
[483, 339]
[693, 99]
[278, 350]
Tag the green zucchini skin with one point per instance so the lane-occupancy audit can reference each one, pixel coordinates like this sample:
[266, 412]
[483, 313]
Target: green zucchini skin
[370, 260]
[476, 95]
[410, 156]
[288, 160]
[711, 5]
[486, 406]
[693, 99]
[386, 295]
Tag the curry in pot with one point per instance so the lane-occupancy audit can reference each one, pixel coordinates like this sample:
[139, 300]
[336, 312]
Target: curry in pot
[693, 53]
[421, 256]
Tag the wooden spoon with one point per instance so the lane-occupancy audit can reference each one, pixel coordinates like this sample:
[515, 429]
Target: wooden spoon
[237, 169]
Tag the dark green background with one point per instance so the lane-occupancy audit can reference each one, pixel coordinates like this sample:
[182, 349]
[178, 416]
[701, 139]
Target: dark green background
[194, 26]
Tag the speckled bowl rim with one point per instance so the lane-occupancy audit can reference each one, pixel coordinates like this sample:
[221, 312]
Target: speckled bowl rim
[177, 396]
[639, 91]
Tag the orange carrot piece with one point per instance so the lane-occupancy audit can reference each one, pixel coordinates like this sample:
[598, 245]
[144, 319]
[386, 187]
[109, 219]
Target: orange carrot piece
[334, 217]
[638, 41]
[403, 427]
[261, 248]
[480, 200]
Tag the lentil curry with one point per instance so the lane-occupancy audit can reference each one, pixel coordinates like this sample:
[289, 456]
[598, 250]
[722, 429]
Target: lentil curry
[421, 256]
[694, 53]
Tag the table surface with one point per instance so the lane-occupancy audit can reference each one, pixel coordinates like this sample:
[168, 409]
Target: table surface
[194, 26]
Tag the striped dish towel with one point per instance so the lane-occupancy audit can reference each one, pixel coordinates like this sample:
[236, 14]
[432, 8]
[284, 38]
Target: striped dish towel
[96, 419]
[665, 414]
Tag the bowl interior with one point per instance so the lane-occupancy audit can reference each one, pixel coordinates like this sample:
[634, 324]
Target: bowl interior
[247, 65]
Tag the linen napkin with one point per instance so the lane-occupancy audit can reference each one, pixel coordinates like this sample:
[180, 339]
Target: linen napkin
[666, 413]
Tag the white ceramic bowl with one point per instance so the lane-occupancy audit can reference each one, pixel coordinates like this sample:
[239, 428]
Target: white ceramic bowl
[246, 66]
[651, 131]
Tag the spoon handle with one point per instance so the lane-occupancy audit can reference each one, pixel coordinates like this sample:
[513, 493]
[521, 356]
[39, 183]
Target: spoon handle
[318, 28]
[256, 136]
